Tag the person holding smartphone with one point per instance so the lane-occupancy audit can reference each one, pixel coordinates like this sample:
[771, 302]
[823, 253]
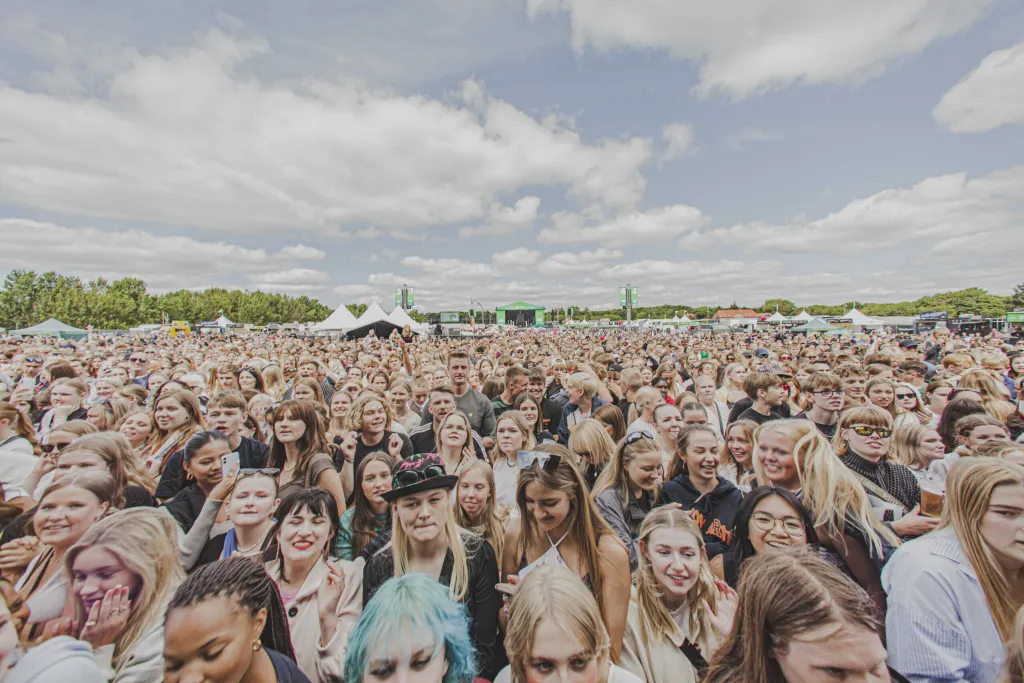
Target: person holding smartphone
[204, 458]
[225, 413]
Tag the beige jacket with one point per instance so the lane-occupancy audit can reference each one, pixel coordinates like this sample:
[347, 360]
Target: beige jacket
[322, 664]
[658, 662]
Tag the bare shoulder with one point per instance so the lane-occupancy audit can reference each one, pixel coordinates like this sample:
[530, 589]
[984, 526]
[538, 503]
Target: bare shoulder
[611, 549]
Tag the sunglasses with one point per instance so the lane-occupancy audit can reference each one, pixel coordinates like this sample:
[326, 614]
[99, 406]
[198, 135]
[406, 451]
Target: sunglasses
[51, 447]
[548, 461]
[137, 360]
[633, 437]
[864, 430]
[249, 471]
[33, 360]
[904, 397]
[410, 477]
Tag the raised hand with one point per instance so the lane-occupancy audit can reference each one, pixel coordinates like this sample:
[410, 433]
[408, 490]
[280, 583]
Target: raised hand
[107, 618]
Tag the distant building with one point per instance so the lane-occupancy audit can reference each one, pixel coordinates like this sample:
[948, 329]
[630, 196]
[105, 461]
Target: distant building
[730, 313]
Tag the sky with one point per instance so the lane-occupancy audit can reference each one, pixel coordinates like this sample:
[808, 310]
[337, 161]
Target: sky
[494, 151]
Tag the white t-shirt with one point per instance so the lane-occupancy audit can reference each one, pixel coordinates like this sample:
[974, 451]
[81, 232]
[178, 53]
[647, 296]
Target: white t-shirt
[505, 478]
[638, 425]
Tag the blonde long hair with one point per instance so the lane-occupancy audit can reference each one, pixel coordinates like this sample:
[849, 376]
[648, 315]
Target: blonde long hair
[831, 492]
[529, 440]
[992, 397]
[614, 475]
[401, 550]
[120, 458]
[143, 541]
[553, 594]
[656, 622]
[494, 515]
[969, 488]
[590, 437]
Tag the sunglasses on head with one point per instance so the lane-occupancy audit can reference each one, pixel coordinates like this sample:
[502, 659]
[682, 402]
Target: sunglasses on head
[548, 461]
[864, 430]
[249, 471]
[410, 477]
[633, 437]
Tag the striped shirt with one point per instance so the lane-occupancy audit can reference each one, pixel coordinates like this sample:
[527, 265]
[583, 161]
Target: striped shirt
[938, 624]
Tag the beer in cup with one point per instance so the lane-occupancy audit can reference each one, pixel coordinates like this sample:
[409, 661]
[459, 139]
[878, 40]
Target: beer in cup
[932, 496]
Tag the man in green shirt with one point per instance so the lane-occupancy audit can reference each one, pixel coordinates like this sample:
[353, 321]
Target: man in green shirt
[516, 380]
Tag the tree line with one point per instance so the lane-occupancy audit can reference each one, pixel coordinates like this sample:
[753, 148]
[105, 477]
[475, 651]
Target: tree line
[28, 298]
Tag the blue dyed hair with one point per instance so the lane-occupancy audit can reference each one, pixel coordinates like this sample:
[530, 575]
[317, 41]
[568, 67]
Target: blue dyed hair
[411, 605]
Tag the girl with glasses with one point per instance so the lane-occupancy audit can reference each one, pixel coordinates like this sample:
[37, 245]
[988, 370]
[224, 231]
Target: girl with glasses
[794, 455]
[769, 519]
[560, 524]
[864, 444]
[425, 538]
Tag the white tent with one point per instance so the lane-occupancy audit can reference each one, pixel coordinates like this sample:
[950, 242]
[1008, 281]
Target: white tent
[341, 319]
[374, 313]
[223, 322]
[401, 318]
[803, 316]
[685, 319]
[776, 317]
[859, 319]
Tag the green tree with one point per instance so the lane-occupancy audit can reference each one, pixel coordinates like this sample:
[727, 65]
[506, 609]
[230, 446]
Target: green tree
[785, 307]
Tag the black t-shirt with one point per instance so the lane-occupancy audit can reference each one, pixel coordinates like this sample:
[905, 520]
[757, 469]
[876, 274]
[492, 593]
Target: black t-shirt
[252, 454]
[362, 450]
[780, 412]
[754, 416]
[828, 430]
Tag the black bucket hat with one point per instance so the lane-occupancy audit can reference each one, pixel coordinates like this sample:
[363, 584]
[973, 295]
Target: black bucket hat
[417, 473]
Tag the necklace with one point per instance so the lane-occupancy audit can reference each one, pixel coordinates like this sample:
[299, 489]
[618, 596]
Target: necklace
[246, 551]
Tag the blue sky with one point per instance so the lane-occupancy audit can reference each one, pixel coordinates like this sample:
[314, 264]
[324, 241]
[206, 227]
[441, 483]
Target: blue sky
[539, 150]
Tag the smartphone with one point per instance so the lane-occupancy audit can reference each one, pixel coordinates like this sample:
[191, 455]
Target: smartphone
[228, 463]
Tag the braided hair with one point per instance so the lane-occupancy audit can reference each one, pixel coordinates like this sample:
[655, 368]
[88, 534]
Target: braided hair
[249, 583]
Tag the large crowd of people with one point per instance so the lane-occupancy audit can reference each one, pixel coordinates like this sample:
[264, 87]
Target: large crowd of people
[585, 506]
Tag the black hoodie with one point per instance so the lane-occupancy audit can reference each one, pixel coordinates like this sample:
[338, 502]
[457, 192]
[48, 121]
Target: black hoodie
[716, 511]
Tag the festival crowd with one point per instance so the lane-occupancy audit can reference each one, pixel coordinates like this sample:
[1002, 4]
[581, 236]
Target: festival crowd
[536, 506]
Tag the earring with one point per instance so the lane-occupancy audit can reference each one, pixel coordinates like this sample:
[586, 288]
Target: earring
[256, 646]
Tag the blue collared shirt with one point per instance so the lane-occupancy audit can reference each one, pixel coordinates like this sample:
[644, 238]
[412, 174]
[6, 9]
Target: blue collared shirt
[938, 623]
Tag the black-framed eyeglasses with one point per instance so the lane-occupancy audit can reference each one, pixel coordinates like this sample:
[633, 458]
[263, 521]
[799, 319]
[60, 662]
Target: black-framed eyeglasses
[766, 522]
[829, 393]
[411, 477]
[865, 430]
[633, 437]
[548, 461]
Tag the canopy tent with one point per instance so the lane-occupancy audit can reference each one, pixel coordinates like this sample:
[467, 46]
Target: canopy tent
[401, 318]
[776, 317]
[372, 313]
[857, 318]
[685, 319]
[51, 328]
[342, 319]
[373, 318]
[803, 316]
[815, 325]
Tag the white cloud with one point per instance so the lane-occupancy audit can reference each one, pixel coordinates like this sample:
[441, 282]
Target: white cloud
[652, 227]
[515, 259]
[507, 219]
[937, 218]
[746, 47]
[741, 138]
[306, 279]
[164, 262]
[302, 252]
[188, 137]
[677, 138]
[990, 96]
